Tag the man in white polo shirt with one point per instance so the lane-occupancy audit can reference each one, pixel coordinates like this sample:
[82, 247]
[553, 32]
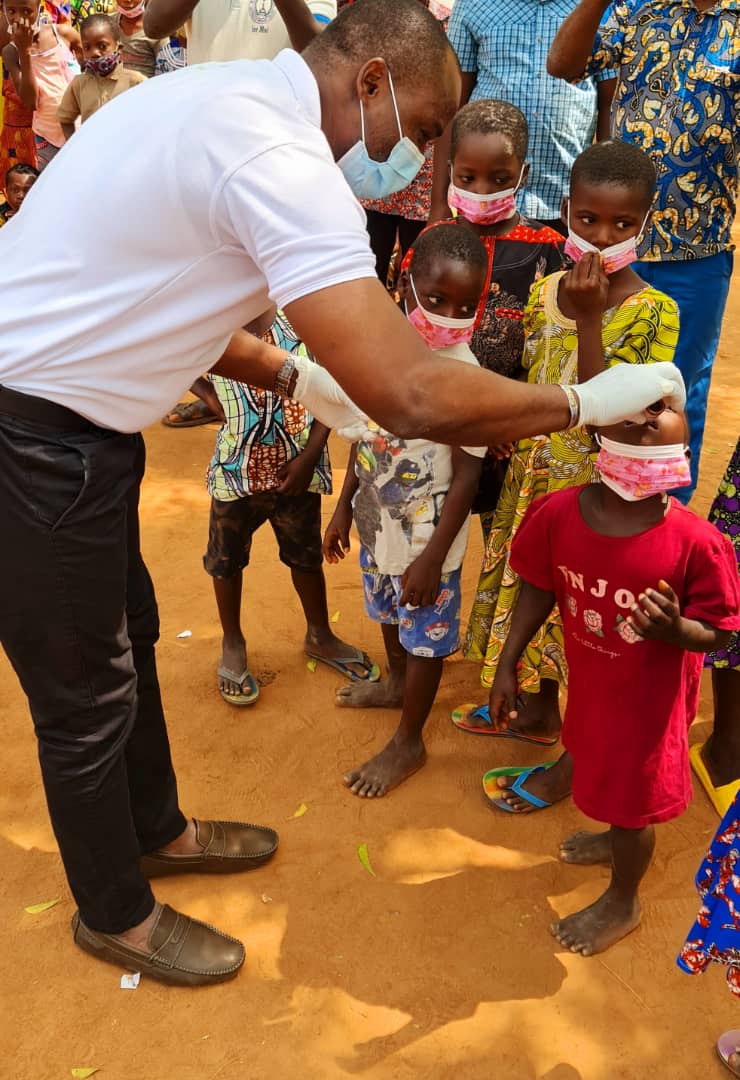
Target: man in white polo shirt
[112, 320]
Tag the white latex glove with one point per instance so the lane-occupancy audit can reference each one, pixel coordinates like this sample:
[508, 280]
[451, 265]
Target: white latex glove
[324, 398]
[624, 391]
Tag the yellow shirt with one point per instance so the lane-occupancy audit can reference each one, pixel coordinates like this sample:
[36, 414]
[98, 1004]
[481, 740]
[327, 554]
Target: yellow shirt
[87, 92]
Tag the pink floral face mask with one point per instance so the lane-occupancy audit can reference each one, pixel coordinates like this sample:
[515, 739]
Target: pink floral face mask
[637, 472]
[484, 209]
[439, 331]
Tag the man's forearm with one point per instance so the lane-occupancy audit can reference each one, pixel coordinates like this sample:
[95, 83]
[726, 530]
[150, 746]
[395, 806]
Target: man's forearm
[302, 27]
[251, 360]
[574, 41]
[163, 17]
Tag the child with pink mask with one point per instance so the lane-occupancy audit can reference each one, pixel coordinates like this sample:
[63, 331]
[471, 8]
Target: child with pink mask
[410, 500]
[138, 52]
[645, 587]
[488, 169]
[577, 322]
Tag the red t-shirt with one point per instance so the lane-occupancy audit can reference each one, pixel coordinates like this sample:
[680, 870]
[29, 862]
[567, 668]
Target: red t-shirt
[630, 701]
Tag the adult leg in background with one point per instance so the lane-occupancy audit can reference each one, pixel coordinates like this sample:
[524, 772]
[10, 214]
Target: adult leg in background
[700, 288]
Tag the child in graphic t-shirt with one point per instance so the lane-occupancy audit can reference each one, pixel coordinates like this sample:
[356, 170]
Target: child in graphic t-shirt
[411, 501]
[645, 588]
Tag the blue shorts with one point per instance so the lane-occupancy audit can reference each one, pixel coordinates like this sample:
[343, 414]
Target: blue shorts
[432, 632]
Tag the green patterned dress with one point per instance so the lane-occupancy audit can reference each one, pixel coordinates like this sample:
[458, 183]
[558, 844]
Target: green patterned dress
[643, 329]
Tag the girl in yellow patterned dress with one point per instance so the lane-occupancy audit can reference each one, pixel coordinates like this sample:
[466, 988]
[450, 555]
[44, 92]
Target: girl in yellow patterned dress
[577, 322]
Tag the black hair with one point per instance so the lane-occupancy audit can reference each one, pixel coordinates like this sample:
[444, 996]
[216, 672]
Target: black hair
[407, 36]
[621, 164]
[448, 241]
[21, 169]
[488, 117]
[99, 19]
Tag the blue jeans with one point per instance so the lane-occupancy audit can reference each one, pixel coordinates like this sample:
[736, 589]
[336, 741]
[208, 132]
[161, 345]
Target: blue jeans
[699, 287]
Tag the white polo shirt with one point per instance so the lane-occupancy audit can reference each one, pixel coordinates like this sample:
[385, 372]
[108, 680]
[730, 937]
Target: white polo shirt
[243, 29]
[209, 194]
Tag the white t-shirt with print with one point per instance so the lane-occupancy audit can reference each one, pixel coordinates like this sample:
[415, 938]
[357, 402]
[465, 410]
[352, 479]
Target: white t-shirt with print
[222, 30]
[402, 488]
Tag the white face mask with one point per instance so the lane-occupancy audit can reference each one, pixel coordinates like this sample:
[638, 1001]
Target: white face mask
[615, 257]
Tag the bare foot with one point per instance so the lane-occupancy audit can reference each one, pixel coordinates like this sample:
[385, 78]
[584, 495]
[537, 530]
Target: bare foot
[722, 768]
[234, 659]
[331, 647]
[598, 926]
[587, 849]
[365, 695]
[138, 936]
[396, 763]
[550, 785]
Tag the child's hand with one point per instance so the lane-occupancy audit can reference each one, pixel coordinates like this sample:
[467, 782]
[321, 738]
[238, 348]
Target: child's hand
[502, 450]
[656, 615]
[420, 583]
[336, 537]
[502, 704]
[23, 33]
[586, 287]
[296, 475]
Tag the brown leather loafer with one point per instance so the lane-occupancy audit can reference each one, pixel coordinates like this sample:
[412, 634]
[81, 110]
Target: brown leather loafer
[184, 951]
[228, 848]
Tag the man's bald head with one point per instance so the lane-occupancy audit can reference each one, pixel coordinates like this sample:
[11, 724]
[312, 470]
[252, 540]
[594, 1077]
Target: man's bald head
[352, 57]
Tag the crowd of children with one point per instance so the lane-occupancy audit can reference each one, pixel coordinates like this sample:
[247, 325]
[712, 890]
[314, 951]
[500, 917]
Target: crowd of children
[594, 577]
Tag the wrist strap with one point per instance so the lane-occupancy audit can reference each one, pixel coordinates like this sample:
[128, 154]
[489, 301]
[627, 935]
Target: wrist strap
[284, 376]
[574, 404]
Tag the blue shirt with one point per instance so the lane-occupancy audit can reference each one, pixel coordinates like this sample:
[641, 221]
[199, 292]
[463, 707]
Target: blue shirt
[678, 98]
[506, 42]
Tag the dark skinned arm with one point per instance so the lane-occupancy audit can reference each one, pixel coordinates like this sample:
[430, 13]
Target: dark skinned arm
[367, 344]
[532, 609]
[604, 97]
[441, 166]
[162, 18]
[299, 22]
[296, 475]
[574, 42]
[336, 537]
[583, 292]
[656, 616]
[18, 62]
[421, 581]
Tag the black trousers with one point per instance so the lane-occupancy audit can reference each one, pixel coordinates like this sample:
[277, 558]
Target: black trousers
[382, 230]
[78, 621]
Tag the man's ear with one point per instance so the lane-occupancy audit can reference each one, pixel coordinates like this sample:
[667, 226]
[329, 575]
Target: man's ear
[372, 79]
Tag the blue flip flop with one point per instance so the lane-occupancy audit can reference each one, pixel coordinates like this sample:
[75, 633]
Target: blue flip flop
[462, 716]
[518, 788]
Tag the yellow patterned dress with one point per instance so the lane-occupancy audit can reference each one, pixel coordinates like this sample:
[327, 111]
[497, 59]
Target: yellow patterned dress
[643, 329]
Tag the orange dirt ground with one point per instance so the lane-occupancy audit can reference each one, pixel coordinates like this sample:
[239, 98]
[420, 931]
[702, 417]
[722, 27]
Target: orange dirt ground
[440, 966]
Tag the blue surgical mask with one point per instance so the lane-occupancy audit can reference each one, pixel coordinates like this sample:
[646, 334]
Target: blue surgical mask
[371, 179]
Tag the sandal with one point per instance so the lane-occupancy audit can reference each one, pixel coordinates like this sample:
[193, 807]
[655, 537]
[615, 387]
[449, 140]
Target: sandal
[247, 697]
[192, 414]
[462, 716]
[344, 665]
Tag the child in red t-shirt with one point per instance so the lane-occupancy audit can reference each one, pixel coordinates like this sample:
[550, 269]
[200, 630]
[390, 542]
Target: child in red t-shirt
[645, 588]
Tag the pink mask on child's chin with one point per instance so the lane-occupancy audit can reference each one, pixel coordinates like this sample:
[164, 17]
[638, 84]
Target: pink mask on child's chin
[637, 472]
[439, 331]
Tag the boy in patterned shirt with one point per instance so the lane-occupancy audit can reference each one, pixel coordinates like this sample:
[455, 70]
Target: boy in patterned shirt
[270, 464]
